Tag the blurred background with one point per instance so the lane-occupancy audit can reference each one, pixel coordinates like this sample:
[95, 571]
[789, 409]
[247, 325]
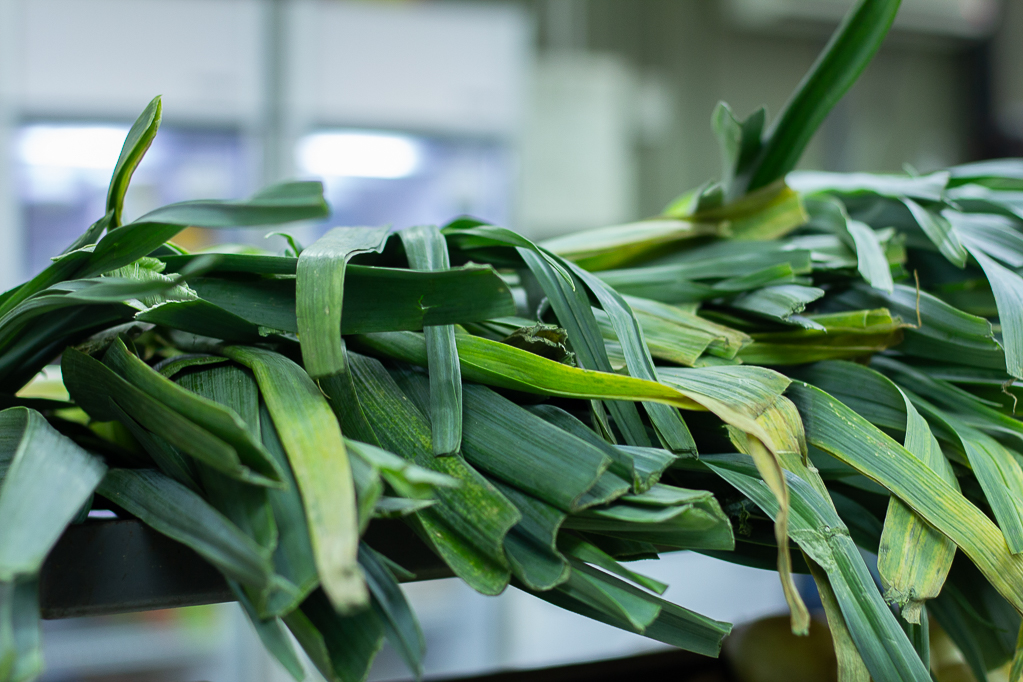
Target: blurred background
[545, 116]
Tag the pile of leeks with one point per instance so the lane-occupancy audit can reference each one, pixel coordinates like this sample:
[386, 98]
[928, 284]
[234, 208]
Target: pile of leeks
[826, 359]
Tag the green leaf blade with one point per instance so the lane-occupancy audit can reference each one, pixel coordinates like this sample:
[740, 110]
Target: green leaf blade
[316, 451]
[846, 55]
[136, 144]
[427, 250]
[48, 478]
[319, 294]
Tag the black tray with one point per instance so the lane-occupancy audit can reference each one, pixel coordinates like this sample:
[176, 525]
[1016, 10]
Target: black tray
[120, 566]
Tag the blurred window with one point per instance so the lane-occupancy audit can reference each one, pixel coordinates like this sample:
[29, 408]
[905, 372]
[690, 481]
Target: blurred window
[400, 179]
[63, 170]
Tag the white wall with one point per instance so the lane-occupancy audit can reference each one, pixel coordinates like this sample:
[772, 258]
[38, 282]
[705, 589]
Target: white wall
[437, 67]
[108, 58]
[578, 157]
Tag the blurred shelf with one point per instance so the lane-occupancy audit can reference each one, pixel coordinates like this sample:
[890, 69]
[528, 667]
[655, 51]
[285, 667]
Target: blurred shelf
[675, 665]
[122, 566]
[104, 567]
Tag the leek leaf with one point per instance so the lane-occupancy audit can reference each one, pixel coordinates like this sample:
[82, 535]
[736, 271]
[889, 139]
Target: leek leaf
[671, 625]
[572, 307]
[925, 187]
[271, 633]
[531, 545]
[280, 203]
[427, 250]
[467, 526]
[293, 558]
[312, 440]
[172, 509]
[1007, 287]
[96, 387]
[342, 646]
[213, 414]
[319, 294]
[47, 479]
[820, 532]
[581, 550]
[400, 624]
[939, 230]
[846, 55]
[140, 136]
[836, 429]
[667, 421]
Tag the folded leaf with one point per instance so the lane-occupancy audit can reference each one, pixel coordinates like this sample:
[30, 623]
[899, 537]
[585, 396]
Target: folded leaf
[887, 653]
[214, 406]
[316, 451]
[46, 479]
[276, 204]
[95, 388]
[319, 294]
[834, 428]
[698, 525]
[379, 299]
[531, 545]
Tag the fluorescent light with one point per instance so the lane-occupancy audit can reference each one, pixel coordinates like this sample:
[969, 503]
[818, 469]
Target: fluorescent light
[92, 147]
[361, 155]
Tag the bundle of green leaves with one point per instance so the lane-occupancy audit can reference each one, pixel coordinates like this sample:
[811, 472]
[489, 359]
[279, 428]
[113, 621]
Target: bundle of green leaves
[822, 358]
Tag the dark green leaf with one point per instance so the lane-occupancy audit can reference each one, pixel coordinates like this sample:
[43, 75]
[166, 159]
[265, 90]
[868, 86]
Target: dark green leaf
[342, 647]
[468, 525]
[212, 414]
[672, 625]
[276, 204]
[172, 509]
[846, 55]
[531, 545]
[271, 633]
[579, 549]
[141, 135]
[400, 624]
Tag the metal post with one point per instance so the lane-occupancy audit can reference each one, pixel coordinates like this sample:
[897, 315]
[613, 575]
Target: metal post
[276, 147]
[11, 234]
